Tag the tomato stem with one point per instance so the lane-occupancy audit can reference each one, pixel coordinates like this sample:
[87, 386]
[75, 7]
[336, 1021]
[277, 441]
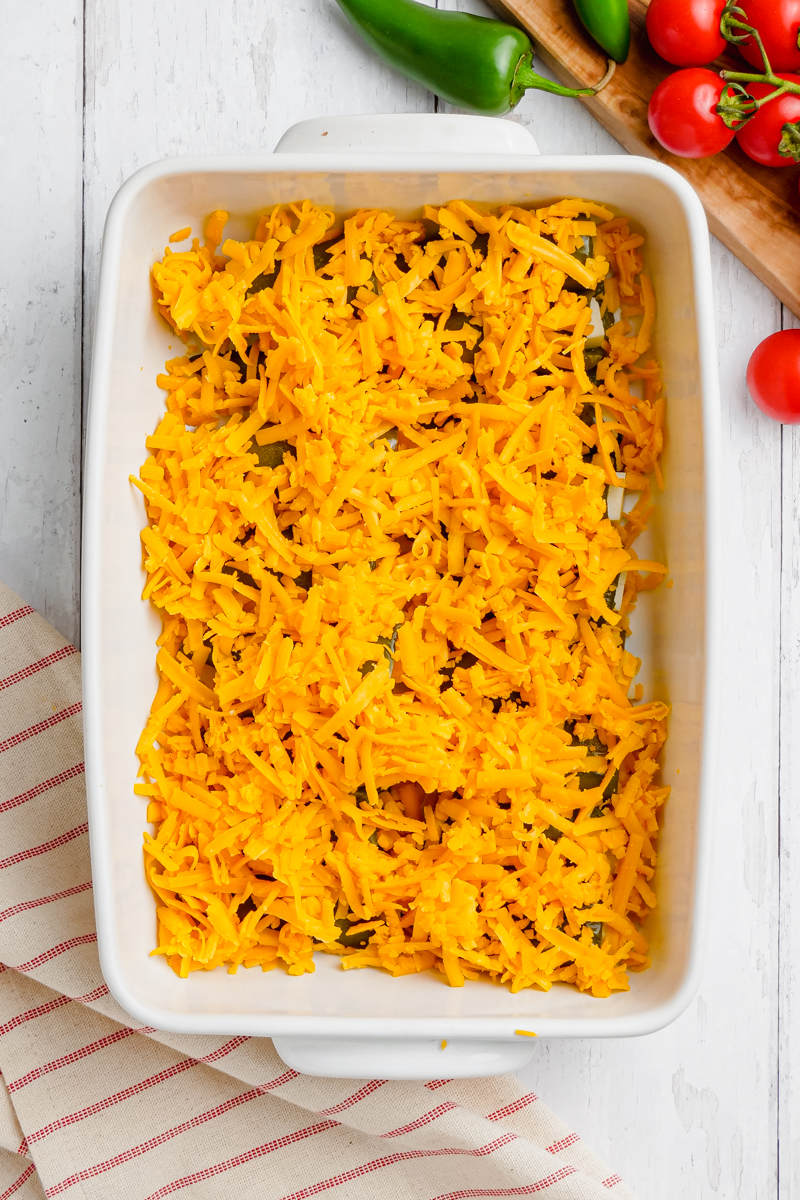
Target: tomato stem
[789, 145]
[780, 85]
[772, 96]
[736, 106]
[729, 25]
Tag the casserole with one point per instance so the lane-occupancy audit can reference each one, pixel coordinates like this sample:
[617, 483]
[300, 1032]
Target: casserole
[334, 1022]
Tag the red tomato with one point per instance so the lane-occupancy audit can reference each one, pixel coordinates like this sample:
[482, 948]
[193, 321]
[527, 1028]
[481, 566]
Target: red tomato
[778, 22]
[759, 138]
[682, 113]
[686, 32]
[773, 376]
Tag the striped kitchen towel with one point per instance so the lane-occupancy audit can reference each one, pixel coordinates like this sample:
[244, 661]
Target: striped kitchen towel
[94, 1105]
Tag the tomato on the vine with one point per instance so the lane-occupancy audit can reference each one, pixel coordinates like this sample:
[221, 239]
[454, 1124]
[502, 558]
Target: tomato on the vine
[686, 32]
[682, 113]
[759, 138]
[773, 376]
[778, 22]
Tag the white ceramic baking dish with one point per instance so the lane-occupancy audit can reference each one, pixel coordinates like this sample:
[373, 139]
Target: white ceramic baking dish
[366, 1023]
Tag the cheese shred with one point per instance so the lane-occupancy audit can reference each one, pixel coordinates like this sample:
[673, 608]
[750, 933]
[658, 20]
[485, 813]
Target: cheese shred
[392, 720]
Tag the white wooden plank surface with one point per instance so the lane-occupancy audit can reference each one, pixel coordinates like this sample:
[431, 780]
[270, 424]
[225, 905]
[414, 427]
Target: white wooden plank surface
[41, 84]
[789, 944]
[694, 1111]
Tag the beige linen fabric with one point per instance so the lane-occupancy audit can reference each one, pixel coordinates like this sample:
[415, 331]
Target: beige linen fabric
[94, 1105]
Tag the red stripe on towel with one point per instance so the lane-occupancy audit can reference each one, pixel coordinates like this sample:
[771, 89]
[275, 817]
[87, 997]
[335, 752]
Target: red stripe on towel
[34, 668]
[18, 738]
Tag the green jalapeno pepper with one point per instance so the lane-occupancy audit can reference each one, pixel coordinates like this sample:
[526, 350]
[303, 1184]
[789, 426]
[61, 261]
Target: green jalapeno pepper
[609, 24]
[473, 62]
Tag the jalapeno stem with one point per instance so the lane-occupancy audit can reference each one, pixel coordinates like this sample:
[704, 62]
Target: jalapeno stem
[610, 69]
[526, 77]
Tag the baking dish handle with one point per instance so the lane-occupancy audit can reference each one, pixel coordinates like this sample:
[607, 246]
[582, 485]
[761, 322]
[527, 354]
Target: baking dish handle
[402, 1058]
[407, 133]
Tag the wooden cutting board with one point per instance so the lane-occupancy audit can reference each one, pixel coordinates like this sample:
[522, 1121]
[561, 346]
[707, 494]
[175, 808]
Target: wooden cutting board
[753, 210]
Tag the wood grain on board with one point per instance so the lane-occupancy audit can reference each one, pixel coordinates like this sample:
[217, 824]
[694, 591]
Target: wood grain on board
[753, 210]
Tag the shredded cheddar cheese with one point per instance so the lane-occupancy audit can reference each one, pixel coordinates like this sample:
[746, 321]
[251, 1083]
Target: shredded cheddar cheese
[393, 718]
